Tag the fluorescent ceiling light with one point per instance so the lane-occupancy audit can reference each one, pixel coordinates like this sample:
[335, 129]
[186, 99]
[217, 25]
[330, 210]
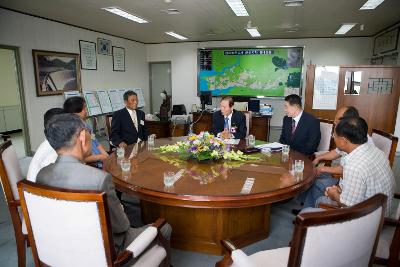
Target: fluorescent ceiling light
[118, 11]
[371, 4]
[253, 32]
[177, 36]
[238, 8]
[345, 28]
[291, 3]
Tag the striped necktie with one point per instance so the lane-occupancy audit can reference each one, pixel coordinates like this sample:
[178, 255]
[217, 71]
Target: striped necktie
[293, 127]
[226, 123]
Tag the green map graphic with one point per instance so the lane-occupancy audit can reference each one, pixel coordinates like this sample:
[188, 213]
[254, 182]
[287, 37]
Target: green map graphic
[252, 72]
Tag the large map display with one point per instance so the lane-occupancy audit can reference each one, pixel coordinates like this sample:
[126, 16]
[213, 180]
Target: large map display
[250, 72]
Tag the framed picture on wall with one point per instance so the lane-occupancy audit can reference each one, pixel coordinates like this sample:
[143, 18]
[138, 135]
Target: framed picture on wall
[56, 72]
[88, 55]
[386, 41]
[104, 46]
[118, 58]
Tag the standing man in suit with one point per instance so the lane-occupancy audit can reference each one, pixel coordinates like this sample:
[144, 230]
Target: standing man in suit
[127, 125]
[300, 130]
[228, 122]
[70, 138]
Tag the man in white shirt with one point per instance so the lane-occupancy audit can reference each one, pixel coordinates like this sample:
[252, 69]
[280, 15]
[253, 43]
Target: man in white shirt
[45, 154]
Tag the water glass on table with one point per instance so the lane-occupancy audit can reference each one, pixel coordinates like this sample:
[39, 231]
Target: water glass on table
[169, 178]
[285, 149]
[125, 165]
[120, 152]
[252, 140]
[150, 139]
[298, 166]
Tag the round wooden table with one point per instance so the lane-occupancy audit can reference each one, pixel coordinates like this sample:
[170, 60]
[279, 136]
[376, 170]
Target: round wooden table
[207, 204]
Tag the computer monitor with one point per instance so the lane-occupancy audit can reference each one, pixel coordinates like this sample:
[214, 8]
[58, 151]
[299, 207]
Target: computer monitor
[254, 105]
[205, 99]
[178, 110]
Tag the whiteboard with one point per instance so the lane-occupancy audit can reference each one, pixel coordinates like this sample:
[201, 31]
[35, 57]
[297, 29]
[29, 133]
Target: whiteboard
[69, 94]
[326, 84]
[104, 101]
[116, 99]
[92, 103]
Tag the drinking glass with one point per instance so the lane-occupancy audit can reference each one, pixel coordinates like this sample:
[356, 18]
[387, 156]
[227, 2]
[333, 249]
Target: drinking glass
[150, 139]
[125, 165]
[120, 152]
[298, 165]
[169, 178]
[285, 149]
[252, 140]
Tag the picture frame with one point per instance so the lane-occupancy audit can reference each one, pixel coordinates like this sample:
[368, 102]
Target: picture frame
[56, 72]
[386, 42]
[88, 55]
[104, 46]
[118, 58]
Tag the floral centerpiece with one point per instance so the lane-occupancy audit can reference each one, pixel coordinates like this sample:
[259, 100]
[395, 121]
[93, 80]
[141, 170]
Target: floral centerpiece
[204, 146]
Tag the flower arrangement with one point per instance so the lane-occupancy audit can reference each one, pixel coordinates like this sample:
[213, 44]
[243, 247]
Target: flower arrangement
[204, 146]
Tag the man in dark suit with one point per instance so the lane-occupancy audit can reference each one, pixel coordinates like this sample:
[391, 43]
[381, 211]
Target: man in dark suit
[300, 129]
[128, 124]
[228, 122]
[68, 135]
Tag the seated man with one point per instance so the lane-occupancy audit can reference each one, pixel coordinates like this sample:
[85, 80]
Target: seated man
[228, 122]
[77, 105]
[45, 154]
[68, 135]
[366, 169]
[127, 125]
[325, 174]
[300, 130]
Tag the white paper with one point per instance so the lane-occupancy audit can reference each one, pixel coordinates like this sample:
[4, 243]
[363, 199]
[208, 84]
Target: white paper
[326, 83]
[248, 185]
[117, 102]
[104, 101]
[231, 141]
[69, 94]
[92, 103]
[274, 145]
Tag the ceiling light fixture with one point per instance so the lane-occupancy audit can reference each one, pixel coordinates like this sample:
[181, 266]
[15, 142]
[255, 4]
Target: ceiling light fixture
[345, 28]
[253, 32]
[371, 4]
[177, 36]
[291, 3]
[120, 12]
[238, 8]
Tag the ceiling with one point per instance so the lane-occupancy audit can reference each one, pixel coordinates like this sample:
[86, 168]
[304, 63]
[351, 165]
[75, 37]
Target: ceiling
[207, 20]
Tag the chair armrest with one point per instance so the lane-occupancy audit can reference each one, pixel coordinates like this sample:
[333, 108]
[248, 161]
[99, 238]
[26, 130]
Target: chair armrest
[226, 260]
[159, 223]
[122, 258]
[241, 259]
[331, 206]
[228, 245]
[142, 241]
[391, 222]
[14, 203]
[396, 195]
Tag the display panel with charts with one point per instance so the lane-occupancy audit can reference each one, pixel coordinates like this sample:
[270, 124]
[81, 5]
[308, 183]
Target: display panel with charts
[104, 101]
[116, 99]
[92, 103]
[326, 84]
[141, 101]
[69, 94]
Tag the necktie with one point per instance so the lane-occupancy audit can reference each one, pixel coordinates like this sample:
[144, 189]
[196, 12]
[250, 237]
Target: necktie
[293, 127]
[134, 119]
[226, 123]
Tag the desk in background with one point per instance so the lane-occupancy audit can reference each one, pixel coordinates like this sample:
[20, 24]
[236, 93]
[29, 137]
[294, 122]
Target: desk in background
[260, 125]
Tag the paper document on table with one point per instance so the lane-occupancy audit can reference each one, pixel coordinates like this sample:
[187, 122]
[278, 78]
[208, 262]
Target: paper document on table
[231, 141]
[179, 174]
[248, 185]
[272, 146]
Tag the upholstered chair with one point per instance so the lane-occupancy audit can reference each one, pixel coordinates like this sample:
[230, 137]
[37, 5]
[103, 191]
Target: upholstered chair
[385, 142]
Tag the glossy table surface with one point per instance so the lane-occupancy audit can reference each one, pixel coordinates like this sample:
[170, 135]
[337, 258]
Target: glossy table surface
[210, 184]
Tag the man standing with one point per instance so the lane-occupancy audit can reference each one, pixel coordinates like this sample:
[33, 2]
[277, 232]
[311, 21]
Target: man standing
[366, 169]
[68, 135]
[300, 130]
[228, 122]
[127, 125]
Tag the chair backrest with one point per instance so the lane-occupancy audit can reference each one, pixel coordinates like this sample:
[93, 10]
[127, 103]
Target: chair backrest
[248, 115]
[67, 227]
[10, 171]
[326, 127]
[344, 237]
[385, 142]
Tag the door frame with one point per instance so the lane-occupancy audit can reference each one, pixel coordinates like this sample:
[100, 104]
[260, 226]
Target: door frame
[150, 81]
[25, 130]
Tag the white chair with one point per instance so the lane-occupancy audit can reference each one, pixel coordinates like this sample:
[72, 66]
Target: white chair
[385, 142]
[342, 237]
[10, 174]
[72, 228]
[326, 127]
[248, 115]
[388, 250]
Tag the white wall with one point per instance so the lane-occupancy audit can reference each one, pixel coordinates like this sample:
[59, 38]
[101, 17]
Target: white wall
[27, 33]
[320, 51]
[8, 79]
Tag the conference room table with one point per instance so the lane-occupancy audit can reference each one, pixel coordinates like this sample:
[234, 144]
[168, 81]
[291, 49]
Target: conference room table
[208, 203]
